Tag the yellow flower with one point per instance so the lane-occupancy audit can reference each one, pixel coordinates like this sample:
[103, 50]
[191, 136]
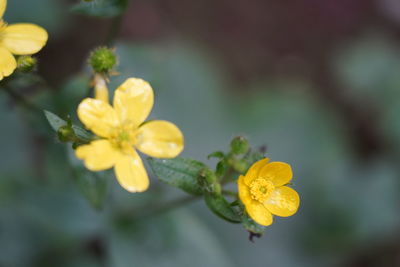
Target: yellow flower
[263, 192]
[122, 130]
[17, 39]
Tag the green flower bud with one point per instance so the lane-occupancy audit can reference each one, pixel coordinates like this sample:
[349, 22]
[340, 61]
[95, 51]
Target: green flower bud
[26, 63]
[66, 134]
[209, 176]
[240, 166]
[102, 60]
[239, 145]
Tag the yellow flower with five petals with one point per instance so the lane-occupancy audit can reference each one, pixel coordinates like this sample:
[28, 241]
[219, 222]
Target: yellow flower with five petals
[122, 130]
[17, 39]
[264, 194]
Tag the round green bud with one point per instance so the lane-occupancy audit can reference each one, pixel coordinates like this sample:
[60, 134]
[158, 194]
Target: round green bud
[102, 60]
[26, 63]
[66, 134]
[240, 166]
[239, 145]
[209, 176]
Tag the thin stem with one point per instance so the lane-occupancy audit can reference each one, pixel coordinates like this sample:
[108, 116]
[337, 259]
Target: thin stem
[176, 203]
[20, 99]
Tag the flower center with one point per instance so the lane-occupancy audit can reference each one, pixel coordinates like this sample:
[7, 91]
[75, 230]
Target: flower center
[260, 189]
[124, 136]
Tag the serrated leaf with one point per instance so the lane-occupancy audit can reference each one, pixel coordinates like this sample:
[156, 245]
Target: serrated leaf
[54, 121]
[222, 208]
[101, 8]
[179, 172]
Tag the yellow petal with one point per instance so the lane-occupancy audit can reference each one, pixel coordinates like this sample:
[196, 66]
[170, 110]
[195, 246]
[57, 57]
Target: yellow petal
[98, 155]
[160, 139]
[131, 173]
[23, 38]
[3, 5]
[259, 213]
[98, 116]
[254, 170]
[279, 173]
[7, 63]
[284, 201]
[244, 192]
[133, 100]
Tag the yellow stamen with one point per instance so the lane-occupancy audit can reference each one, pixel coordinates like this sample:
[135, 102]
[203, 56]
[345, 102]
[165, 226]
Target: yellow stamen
[124, 136]
[260, 189]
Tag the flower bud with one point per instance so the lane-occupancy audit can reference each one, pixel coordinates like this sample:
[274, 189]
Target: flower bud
[66, 134]
[26, 63]
[239, 145]
[209, 176]
[240, 166]
[102, 60]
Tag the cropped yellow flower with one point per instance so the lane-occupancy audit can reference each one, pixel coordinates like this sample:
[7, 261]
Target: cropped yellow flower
[122, 130]
[264, 194]
[17, 39]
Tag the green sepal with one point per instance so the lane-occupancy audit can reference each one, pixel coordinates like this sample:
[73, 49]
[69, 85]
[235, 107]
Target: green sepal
[183, 173]
[101, 8]
[222, 208]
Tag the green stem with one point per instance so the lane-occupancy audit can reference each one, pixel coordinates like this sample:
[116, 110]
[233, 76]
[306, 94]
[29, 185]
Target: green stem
[21, 100]
[176, 203]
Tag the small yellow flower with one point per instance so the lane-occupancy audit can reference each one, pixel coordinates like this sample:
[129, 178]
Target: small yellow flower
[122, 130]
[17, 39]
[263, 192]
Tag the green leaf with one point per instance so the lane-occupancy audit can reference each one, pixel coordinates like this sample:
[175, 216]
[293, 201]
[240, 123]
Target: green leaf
[251, 226]
[183, 173]
[221, 207]
[56, 122]
[216, 154]
[101, 8]
[83, 134]
[222, 168]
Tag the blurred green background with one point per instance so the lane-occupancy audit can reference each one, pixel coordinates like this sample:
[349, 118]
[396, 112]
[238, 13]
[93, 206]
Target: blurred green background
[317, 82]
